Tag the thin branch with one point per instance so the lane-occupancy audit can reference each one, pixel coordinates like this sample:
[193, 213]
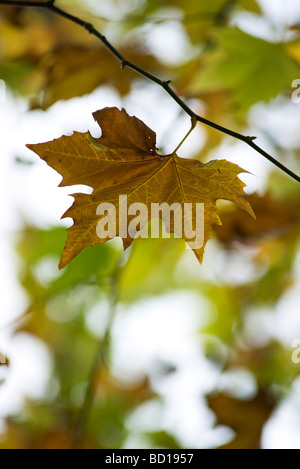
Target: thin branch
[101, 359]
[49, 4]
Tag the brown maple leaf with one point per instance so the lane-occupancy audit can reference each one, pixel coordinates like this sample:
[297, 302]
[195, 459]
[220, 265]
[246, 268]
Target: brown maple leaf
[123, 166]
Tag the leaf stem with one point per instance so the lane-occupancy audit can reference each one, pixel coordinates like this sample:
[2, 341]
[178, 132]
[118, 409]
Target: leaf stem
[49, 4]
[193, 125]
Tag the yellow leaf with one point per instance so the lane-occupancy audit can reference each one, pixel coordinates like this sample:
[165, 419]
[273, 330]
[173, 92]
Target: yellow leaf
[293, 50]
[123, 165]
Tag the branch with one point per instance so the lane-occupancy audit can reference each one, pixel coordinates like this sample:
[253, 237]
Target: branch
[101, 359]
[49, 4]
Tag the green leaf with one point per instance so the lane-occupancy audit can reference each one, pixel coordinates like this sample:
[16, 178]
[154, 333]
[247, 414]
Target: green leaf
[249, 68]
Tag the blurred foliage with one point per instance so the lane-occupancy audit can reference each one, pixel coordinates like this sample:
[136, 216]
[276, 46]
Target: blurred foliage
[236, 66]
[45, 59]
[246, 418]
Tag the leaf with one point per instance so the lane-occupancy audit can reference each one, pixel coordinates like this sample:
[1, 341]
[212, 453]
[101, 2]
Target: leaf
[225, 312]
[293, 50]
[271, 364]
[52, 60]
[149, 269]
[246, 418]
[198, 18]
[124, 161]
[38, 246]
[71, 71]
[272, 219]
[251, 69]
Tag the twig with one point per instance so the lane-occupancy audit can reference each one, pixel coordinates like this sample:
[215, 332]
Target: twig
[165, 84]
[100, 360]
